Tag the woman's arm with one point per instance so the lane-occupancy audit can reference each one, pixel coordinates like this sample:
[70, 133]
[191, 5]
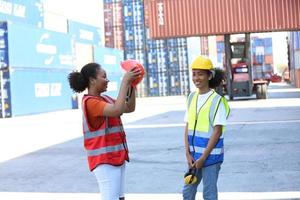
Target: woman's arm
[188, 155]
[118, 108]
[130, 104]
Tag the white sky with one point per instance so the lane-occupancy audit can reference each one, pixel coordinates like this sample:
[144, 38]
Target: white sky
[85, 11]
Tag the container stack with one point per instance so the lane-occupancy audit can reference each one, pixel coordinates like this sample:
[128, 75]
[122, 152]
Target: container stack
[165, 61]
[292, 74]
[204, 45]
[5, 97]
[157, 67]
[34, 70]
[134, 40]
[262, 58]
[178, 66]
[113, 23]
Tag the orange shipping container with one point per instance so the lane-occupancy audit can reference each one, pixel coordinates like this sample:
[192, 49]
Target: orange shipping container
[268, 59]
[181, 18]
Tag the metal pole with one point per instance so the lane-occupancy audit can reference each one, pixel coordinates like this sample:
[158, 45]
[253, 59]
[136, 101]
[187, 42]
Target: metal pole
[248, 61]
[228, 65]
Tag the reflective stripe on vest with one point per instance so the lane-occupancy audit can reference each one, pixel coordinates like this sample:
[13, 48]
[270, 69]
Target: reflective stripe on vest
[103, 150]
[198, 138]
[92, 134]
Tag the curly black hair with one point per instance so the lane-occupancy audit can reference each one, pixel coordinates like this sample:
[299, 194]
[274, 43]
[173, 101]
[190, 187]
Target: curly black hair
[217, 78]
[79, 81]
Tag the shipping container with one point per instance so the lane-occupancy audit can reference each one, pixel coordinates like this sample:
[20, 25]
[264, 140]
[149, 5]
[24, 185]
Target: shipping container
[142, 88]
[5, 97]
[297, 40]
[108, 15]
[37, 90]
[152, 56]
[117, 14]
[85, 33]
[33, 75]
[162, 59]
[204, 46]
[113, 24]
[183, 18]
[109, 36]
[269, 59]
[29, 12]
[138, 12]
[49, 49]
[157, 56]
[153, 89]
[118, 37]
[184, 82]
[140, 56]
[175, 88]
[183, 58]
[164, 83]
[173, 55]
[262, 58]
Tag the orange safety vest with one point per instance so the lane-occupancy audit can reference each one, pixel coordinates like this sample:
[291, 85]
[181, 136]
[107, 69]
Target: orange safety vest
[106, 145]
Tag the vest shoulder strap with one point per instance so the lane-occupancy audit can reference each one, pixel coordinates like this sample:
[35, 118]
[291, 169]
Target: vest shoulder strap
[190, 98]
[108, 99]
[214, 107]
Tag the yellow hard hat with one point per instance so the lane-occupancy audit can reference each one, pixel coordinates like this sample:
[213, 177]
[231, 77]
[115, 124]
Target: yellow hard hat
[202, 62]
[190, 176]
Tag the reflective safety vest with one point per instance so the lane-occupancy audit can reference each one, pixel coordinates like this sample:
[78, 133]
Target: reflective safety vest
[106, 145]
[200, 127]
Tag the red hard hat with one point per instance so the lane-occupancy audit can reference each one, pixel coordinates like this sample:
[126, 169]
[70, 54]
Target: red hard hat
[128, 65]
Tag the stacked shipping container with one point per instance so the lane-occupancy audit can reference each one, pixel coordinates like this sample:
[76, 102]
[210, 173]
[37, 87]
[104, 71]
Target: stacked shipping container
[165, 60]
[113, 23]
[294, 58]
[134, 37]
[261, 55]
[262, 58]
[34, 70]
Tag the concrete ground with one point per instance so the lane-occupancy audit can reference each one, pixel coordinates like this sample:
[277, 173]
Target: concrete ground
[41, 156]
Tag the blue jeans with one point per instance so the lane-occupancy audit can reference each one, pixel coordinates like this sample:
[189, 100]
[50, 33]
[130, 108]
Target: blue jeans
[209, 175]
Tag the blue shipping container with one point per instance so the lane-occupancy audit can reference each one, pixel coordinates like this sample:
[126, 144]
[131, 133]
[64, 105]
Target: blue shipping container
[4, 62]
[20, 11]
[109, 58]
[164, 83]
[182, 42]
[39, 49]
[175, 88]
[173, 54]
[297, 40]
[85, 33]
[152, 56]
[5, 97]
[39, 90]
[129, 54]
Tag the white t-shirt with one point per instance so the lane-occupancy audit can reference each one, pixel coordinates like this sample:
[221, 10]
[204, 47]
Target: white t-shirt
[220, 118]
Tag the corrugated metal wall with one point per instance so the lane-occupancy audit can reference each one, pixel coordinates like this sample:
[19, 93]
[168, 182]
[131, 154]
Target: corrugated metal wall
[177, 18]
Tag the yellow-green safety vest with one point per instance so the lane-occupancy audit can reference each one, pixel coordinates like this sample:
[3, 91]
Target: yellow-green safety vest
[200, 127]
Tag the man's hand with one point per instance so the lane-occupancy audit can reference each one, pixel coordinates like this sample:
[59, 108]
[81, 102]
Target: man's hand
[199, 163]
[189, 159]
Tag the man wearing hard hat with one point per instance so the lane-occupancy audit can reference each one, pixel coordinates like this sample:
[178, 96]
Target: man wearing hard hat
[205, 119]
